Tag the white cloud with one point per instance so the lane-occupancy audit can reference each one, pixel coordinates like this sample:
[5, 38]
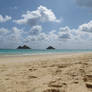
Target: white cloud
[11, 38]
[66, 36]
[16, 35]
[3, 31]
[42, 36]
[52, 36]
[64, 33]
[87, 27]
[64, 29]
[83, 32]
[35, 30]
[4, 19]
[41, 15]
[33, 38]
[47, 14]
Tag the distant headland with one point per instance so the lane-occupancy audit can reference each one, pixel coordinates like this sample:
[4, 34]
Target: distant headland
[27, 47]
[50, 47]
[23, 47]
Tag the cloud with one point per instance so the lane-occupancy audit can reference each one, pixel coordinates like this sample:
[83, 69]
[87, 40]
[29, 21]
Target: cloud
[83, 32]
[3, 31]
[32, 38]
[35, 30]
[87, 27]
[42, 36]
[36, 37]
[11, 38]
[16, 35]
[64, 33]
[52, 36]
[4, 19]
[84, 3]
[41, 15]
[64, 36]
[64, 29]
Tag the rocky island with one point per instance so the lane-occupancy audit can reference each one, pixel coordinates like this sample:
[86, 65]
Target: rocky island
[23, 47]
[50, 47]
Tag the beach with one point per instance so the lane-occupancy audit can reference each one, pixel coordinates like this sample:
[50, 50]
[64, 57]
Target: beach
[68, 72]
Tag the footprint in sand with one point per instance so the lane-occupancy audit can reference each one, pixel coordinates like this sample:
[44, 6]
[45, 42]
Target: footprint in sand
[52, 90]
[88, 81]
[32, 77]
[55, 84]
[32, 69]
[2, 87]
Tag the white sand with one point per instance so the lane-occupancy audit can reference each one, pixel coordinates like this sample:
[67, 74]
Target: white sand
[46, 73]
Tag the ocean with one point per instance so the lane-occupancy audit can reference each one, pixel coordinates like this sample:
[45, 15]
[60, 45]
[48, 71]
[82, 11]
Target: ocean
[35, 52]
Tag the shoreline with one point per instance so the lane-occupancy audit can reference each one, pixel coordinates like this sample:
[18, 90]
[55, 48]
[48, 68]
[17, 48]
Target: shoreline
[38, 54]
[41, 52]
[41, 57]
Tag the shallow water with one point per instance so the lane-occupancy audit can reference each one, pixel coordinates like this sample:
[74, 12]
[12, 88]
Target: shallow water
[33, 52]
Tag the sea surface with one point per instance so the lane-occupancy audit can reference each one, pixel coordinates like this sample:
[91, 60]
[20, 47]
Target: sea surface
[35, 52]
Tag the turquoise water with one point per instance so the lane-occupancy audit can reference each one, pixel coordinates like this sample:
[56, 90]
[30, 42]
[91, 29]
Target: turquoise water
[32, 52]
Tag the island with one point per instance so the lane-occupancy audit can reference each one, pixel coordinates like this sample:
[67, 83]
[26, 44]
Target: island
[23, 47]
[50, 47]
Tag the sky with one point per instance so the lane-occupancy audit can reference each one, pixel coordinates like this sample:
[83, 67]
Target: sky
[63, 24]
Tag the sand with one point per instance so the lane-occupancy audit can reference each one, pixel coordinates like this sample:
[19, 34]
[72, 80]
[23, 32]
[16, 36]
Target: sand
[46, 73]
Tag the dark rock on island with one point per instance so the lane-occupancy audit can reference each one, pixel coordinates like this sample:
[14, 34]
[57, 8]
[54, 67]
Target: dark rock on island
[50, 47]
[23, 47]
